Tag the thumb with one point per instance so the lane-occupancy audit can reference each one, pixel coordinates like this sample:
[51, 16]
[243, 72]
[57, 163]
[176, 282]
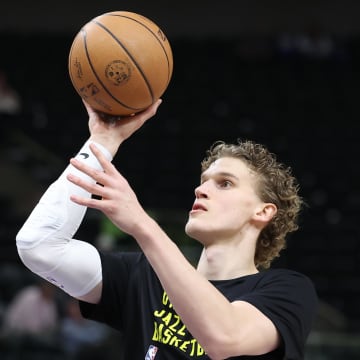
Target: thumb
[91, 112]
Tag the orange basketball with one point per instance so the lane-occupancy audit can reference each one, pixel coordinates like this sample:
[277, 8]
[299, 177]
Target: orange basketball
[120, 63]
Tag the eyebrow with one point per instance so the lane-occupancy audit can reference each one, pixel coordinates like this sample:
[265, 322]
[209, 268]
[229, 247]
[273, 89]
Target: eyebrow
[204, 175]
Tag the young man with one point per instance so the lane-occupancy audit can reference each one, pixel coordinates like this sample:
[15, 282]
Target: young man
[166, 309]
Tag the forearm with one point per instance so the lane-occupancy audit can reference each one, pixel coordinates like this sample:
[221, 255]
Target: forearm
[224, 329]
[202, 308]
[45, 242]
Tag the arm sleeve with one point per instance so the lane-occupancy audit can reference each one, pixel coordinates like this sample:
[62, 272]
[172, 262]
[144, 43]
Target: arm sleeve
[45, 243]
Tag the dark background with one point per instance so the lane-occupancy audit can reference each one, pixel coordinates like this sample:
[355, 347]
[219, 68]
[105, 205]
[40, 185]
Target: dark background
[233, 78]
[199, 18]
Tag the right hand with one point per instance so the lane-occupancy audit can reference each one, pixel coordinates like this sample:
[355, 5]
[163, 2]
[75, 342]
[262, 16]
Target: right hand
[114, 197]
[112, 134]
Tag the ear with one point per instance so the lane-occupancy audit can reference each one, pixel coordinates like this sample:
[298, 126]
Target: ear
[265, 213]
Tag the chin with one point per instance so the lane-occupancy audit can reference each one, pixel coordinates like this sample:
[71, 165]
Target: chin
[194, 232]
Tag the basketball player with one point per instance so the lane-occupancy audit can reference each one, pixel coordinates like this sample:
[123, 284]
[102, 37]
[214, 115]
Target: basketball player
[230, 306]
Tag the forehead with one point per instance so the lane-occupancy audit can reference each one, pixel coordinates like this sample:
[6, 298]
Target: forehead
[229, 165]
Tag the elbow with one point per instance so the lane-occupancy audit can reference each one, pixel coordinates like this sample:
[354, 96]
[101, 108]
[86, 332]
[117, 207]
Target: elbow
[233, 342]
[220, 347]
[34, 256]
[33, 260]
[216, 354]
[26, 238]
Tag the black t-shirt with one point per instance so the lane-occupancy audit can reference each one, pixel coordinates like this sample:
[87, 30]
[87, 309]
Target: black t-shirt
[134, 302]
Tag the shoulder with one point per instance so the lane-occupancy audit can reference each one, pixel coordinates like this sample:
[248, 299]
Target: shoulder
[280, 293]
[265, 283]
[288, 279]
[284, 276]
[127, 276]
[124, 270]
[288, 298]
[124, 261]
[289, 284]
[121, 256]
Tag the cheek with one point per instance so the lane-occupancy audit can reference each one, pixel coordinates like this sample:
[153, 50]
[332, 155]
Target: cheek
[243, 207]
[228, 213]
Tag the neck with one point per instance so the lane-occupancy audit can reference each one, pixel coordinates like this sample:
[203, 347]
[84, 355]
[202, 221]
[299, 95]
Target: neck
[223, 262]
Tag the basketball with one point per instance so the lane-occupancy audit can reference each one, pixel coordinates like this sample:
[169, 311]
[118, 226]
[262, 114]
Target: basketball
[120, 63]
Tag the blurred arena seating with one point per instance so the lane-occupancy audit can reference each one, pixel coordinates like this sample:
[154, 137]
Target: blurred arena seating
[304, 108]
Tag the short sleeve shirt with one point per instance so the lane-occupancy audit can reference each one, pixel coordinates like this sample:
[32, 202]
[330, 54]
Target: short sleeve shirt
[134, 302]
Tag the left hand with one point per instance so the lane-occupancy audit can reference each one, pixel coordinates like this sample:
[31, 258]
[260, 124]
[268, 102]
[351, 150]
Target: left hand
[112, 134]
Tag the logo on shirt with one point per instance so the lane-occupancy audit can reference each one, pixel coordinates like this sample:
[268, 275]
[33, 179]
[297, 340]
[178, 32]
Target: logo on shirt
[151, 353]
[170, 330]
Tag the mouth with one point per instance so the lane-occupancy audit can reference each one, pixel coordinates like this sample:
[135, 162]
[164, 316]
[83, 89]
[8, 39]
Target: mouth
[198, 207]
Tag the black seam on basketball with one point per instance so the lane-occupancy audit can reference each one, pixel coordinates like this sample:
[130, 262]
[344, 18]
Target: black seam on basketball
[70, 66]
[131, 57]
[99, 80]
[147, 28]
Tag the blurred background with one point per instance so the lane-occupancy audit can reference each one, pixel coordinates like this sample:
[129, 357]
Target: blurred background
[283, 73]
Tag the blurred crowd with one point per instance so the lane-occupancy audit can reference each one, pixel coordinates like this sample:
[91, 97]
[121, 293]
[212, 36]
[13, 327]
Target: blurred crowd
[38, 321]
[311, 101]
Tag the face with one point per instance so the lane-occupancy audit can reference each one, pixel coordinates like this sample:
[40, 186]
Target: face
[225, 202]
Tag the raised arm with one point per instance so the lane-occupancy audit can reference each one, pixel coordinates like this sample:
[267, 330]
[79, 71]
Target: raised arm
[45, 242]
[223, 329]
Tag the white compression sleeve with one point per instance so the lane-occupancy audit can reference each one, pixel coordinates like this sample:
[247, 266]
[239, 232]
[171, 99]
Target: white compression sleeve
[45, 243]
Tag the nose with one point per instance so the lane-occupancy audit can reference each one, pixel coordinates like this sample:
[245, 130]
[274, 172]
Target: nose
[201, 191]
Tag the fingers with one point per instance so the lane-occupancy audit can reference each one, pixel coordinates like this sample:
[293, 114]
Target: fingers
[102, 178]
[82, 201]
[104, 162]
[89, 109]
[88, 202]
[97, 175]
[92, 188]
[142, 116]
[91, 172]
[150, 111]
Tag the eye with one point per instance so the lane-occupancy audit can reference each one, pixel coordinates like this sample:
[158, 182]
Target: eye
[226, 183]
